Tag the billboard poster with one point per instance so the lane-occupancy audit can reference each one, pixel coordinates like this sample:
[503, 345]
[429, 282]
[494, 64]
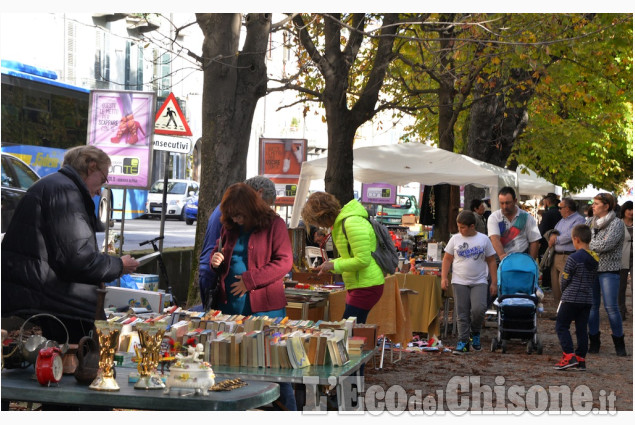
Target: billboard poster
[281, 161]
[121, 123]
[379, 193]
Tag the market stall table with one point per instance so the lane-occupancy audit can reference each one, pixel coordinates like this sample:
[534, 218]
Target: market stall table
[390, 314]
[311, 376]
[21, 385]
[424, 306]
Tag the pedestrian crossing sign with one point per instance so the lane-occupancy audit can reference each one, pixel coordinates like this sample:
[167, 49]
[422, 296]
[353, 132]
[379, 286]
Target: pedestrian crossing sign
[170, 119]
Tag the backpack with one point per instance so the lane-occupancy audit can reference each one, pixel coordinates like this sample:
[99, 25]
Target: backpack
[386, 254]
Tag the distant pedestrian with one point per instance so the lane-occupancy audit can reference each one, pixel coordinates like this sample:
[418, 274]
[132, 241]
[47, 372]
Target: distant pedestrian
[627, 256]
[478, 208]
[562, 242]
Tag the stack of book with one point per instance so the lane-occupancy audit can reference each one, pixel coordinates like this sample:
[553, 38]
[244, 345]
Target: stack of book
[355, 344]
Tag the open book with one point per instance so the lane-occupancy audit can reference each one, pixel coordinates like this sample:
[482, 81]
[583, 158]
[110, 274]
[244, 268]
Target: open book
[147, 258]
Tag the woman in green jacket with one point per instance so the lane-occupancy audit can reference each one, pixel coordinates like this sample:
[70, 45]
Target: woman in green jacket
[363, 278]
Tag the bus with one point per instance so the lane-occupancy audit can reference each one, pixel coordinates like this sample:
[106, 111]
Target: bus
[41, 118]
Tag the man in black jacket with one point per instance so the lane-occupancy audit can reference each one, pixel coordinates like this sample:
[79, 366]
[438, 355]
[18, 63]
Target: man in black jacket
[50, 259]
[550, 217]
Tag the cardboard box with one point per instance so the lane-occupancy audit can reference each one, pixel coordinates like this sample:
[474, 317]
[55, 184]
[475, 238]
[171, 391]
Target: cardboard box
[147, 282]
[121, 297]
[408, 219]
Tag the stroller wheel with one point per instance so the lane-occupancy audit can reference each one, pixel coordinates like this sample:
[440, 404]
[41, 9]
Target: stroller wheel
[504, 346]
[538, 346]
[494, 345]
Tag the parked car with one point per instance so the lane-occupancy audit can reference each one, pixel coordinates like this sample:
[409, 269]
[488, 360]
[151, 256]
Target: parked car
[191, 209]
[178, 192]
[391, 214]
[17, 177]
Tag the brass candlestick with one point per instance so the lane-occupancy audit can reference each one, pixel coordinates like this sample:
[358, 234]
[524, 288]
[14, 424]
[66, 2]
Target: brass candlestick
[108, 334]
[150, 337]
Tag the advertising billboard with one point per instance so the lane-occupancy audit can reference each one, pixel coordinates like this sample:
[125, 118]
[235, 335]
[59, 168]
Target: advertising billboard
[121, 123]
[281, 161]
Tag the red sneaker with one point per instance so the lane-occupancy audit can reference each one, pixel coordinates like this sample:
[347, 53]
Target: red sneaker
[581, 366]
[567, 361]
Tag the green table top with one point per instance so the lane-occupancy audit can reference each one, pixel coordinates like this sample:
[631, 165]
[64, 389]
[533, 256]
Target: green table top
[296, 376]
[21, 385]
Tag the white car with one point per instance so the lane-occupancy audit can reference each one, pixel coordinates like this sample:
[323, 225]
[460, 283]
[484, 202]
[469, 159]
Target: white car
[177, 195]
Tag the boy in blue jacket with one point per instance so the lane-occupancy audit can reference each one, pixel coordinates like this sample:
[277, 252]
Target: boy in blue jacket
[576, 282]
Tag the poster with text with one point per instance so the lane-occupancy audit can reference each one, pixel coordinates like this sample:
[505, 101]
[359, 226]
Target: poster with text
[281, 161]
[122, 125]
[379, 193]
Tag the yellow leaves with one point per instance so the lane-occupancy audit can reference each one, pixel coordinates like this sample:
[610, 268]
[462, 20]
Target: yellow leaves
[323, 119]
[496, 60]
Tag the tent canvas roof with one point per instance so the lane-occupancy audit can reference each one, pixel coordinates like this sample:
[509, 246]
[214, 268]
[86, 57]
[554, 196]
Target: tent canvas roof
[533, 184]
[405, 163]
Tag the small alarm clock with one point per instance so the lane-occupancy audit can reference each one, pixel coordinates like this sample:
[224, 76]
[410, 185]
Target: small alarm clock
[49, 366]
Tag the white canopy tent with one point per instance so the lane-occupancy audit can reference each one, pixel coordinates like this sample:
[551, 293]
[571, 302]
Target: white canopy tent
[534, 185]
[405, 163]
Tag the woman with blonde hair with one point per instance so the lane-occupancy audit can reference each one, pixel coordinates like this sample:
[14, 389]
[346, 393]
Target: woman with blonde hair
[355, 240]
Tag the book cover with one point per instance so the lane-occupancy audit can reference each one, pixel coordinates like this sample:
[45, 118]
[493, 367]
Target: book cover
[297, 355]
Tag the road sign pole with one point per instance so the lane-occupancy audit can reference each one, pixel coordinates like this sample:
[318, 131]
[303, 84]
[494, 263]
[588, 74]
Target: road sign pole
[164, 205]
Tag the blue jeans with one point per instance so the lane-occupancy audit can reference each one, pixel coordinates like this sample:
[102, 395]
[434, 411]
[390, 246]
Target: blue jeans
[352, 311]
[607, 285]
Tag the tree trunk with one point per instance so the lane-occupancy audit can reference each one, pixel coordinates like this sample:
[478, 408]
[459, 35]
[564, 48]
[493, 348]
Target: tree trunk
[233, 82]
[496, 120]
[335, 63]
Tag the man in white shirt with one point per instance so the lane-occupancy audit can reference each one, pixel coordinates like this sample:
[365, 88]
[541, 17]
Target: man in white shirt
[511, 229]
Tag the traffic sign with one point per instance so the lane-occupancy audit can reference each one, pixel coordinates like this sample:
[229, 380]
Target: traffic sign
[170, 119]
[171, 144]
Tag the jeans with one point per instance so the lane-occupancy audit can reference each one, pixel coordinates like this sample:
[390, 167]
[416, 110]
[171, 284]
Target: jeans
[352, 311]
[287, 396]
[470, 308]
[578, 313]
[607, 285]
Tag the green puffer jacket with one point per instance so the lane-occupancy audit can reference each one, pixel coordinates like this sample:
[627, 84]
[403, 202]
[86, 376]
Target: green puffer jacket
[359, 270]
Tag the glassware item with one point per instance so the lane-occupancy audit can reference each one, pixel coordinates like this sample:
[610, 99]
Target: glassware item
[108, 334]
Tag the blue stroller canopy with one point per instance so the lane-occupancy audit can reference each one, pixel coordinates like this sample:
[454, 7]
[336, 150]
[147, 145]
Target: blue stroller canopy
[517, 273]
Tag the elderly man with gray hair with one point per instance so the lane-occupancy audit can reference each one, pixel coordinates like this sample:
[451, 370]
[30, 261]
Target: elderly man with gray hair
[560, 238]
[206, 276]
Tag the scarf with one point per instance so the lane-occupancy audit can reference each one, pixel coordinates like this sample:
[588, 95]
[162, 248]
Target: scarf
[600, 223]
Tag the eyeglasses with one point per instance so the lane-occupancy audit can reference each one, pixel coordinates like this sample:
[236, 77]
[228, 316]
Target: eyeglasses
[105, 177]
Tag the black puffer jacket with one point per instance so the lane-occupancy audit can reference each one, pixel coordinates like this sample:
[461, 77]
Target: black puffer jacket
[50, 260]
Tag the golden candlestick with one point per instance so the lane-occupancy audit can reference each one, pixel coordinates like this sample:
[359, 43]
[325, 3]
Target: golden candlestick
[108, 334]
[150, 337]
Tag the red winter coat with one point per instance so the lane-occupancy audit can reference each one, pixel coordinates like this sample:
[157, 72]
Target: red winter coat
[269, 259]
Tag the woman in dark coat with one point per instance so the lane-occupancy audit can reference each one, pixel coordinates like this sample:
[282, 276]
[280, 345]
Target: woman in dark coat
[50, 259]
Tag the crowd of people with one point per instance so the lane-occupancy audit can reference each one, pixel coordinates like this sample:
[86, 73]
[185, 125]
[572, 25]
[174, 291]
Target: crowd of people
[51, 262]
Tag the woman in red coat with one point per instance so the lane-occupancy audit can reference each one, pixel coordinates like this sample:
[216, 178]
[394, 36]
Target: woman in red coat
[254, 257]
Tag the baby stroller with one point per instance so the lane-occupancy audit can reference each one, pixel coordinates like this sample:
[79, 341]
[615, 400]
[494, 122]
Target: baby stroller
[517, 302]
